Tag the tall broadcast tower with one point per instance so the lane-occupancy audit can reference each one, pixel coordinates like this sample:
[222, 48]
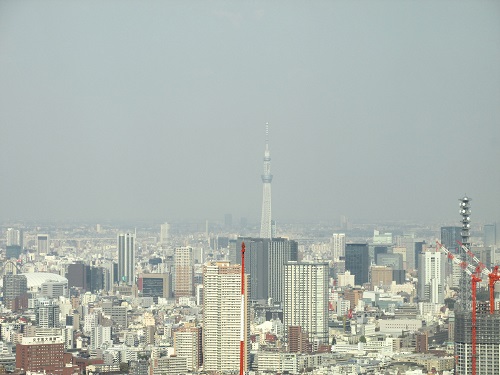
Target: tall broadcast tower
[267, 177]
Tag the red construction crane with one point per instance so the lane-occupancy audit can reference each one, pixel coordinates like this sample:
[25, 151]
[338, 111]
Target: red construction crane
[493, 277]
[475, 279]
[242, 312]
[484, 269]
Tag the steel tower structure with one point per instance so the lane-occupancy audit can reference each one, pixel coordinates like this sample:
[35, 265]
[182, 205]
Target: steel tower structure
[267, 177]
[465, 281]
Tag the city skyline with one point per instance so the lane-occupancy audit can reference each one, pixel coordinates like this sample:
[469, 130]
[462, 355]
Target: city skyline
[377, 109]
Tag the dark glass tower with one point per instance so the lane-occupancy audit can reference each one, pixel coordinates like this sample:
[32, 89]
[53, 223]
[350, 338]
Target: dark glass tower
[450, 237]
[265, 263]
[357, 261]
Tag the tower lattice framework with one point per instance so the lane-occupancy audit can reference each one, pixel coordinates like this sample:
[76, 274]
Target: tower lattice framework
[465, 282]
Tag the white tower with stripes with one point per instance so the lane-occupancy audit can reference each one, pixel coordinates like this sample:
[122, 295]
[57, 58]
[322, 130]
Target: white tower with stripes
[267, 177]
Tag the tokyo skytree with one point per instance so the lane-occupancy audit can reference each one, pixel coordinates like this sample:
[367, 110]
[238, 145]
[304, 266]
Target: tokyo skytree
[267, 177]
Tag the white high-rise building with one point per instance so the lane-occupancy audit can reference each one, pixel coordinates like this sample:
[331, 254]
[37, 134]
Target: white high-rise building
[266, 230]
[14, 237]
[338, 245]
[126, 258]
[187, 344]
[90, 322]
[431, 277]
[306, 299]
[221, 317]
[100, 336]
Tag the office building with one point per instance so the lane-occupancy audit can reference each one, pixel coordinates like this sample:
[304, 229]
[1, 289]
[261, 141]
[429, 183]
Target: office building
[41, 355]
[402, 252]
[380, 276]
[431, 277]
[265, 262]
[47, 313]
[95, 279]
[306, 299]
[357, 261]
[338, 245]
[184, 273]
[267, 177]
[377, 250]
[382, 238]
[156, 285]
[15, 292]
[14, 237]
[450, 236]
[126, 258]
[54, 289]
[76, 275]
[85, 277]
[420, 247]
[118, 314]
[407, 242]
[221, 318]
[42, 243]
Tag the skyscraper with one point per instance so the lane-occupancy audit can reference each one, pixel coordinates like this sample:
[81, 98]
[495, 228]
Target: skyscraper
[407, 241]
[164, 233]
[431, 277]
[15, 287]
[306, 299]
[338, 245]
[221, 317]
[42, 243]
[126, 258]
[14, 237]
[184, 273]
[267, 177]
[265, 263]
[357, 260]
[187, 344]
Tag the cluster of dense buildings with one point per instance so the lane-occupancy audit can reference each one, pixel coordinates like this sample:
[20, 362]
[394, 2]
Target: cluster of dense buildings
[95, 301]
[141, 304]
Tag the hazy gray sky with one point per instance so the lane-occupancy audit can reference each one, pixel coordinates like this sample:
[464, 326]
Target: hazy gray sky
[379, 110]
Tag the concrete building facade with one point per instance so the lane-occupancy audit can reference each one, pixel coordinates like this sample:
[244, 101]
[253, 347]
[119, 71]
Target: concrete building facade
[221, 318]
[306, 299]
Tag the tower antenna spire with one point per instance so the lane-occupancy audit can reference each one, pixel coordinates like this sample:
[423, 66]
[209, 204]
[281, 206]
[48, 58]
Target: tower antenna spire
[267, 177]
[267, 133]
